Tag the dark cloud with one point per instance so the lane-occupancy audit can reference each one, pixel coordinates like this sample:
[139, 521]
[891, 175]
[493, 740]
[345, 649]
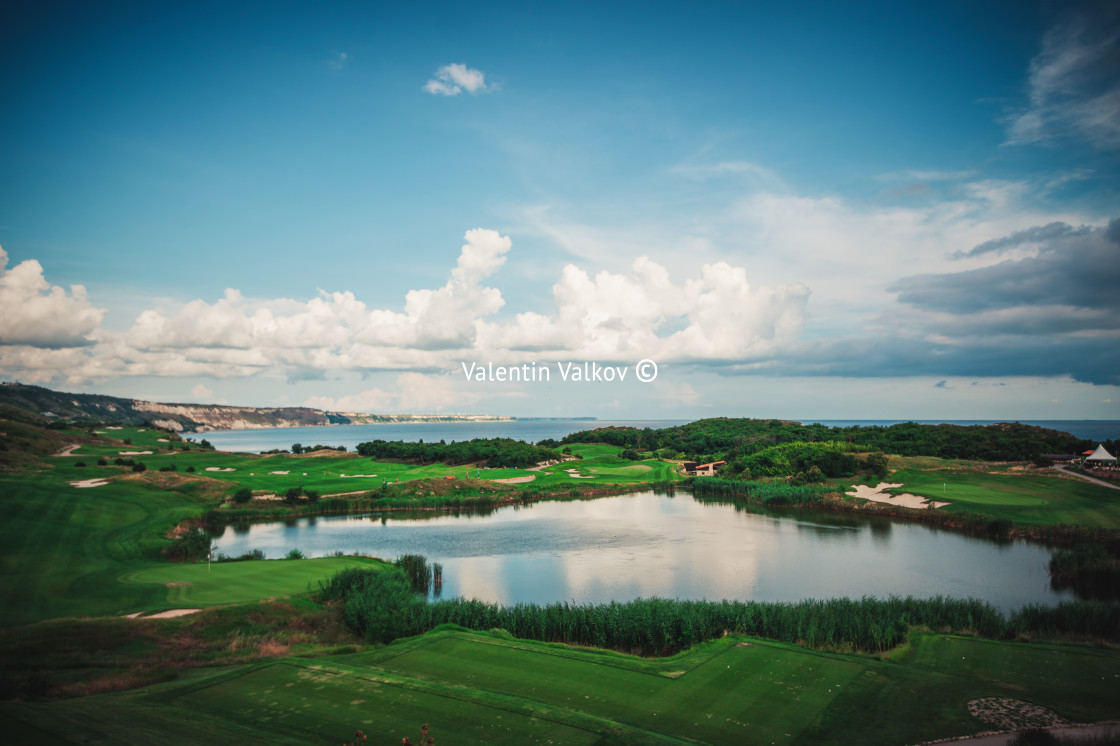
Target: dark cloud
[1030, 235]
[1074, 267]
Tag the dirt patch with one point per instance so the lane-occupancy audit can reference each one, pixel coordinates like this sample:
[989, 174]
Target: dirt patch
[1013, 714]
[68, 449]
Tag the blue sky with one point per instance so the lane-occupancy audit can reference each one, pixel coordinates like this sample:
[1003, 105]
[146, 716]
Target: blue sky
[881, 210]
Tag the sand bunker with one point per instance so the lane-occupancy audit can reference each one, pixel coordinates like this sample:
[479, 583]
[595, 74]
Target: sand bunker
[878, 494]
[574, 474]
[354, 476]
[516, 480]
[169, 614]
[278, 472]
[163, 440]
[89, 483]
[135, 453]
[218, 468]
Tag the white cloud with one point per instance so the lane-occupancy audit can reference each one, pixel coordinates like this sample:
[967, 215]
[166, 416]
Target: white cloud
[1073, 86]
[453, 79]
[202, 393]
[35, 313]
[338, 60]
[415, 393]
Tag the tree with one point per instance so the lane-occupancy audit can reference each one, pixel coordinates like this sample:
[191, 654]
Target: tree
[877, 464]
[243, 495]
[297, 448]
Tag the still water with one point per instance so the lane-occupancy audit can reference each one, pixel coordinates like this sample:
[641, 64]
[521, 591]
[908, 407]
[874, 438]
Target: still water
[646, 544]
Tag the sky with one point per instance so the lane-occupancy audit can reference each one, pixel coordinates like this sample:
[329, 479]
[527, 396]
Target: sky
[797, 210]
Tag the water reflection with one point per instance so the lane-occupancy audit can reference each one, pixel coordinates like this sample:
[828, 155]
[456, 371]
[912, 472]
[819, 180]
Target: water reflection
[647, 544]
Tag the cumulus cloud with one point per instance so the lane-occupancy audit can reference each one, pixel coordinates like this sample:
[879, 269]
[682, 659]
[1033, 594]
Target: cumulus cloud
[36, 313]
[1074, 89]
[453, 79]
[623, 316]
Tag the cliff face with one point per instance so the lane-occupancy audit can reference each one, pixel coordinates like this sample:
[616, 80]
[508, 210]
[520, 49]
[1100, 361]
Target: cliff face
[219, 417]
[196, 417]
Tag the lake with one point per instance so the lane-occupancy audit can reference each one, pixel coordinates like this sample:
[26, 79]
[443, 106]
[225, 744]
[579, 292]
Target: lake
[646, 544]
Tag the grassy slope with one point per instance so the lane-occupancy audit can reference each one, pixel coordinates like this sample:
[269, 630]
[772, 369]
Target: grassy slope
[476, 688]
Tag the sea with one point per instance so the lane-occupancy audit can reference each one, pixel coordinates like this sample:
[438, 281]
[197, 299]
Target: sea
[532, 431]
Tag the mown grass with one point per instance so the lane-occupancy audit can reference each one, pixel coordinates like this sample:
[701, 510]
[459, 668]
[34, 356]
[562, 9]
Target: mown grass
[216, 583]
[479, 688]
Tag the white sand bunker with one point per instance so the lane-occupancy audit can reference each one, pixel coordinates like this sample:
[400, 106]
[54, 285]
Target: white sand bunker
[354, 476]
[218, 468]
[574, 474]
[516, 480]
[135, 453]
[90, 483]
[879, 494]
[163, 440]
[169, 614]
[278, 472]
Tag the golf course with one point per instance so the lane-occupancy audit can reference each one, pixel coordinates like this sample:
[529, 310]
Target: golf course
[106, 640]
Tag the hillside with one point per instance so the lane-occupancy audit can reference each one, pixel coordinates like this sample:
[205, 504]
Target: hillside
[189, 417]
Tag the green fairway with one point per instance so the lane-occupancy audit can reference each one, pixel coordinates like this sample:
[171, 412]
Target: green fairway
[485, 689]
[62, 548]
[209, 584]
[1022, 498]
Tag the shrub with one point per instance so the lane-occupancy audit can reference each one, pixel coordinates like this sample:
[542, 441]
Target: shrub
[243, 495]
[630, 454]
[139, 467]
[295, 554]
[312, 496]
[102, 462]
[80, 463]
[190, 468]
[190, 546]
[292, 495]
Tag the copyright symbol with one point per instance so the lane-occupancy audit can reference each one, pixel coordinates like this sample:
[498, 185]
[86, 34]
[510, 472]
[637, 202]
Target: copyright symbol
[646, 370]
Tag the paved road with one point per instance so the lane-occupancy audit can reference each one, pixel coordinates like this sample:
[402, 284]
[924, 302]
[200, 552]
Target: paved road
[1065, 734]
[1094, 480]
